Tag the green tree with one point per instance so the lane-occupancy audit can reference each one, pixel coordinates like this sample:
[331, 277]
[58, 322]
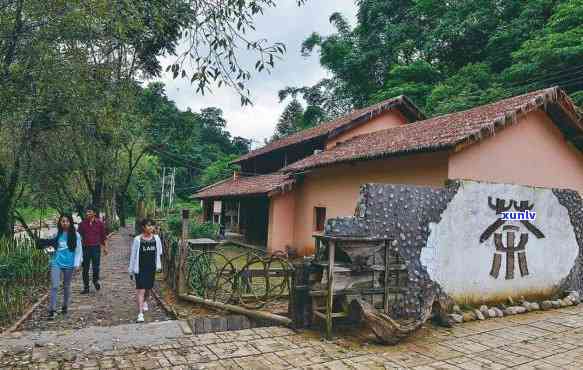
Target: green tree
[291, 120]
[219, 170]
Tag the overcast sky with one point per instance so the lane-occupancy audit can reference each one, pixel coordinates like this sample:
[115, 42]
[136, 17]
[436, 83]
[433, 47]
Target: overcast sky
[288, 24]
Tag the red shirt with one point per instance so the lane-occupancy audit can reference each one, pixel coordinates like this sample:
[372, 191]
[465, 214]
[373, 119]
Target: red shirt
[92, 233]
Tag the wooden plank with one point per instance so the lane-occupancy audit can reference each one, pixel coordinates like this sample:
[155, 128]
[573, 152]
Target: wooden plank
[330, 297]
[386, 303]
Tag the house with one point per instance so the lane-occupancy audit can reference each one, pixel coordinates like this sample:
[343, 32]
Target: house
[287, 189]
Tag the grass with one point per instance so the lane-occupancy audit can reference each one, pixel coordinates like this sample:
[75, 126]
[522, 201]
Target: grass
[31, 214]
[23, 276]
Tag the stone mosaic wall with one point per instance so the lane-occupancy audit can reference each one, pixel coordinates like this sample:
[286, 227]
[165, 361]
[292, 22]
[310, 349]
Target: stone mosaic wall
[401, 213]
[408, 215]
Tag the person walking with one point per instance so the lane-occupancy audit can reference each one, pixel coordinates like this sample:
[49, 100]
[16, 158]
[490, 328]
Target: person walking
[67, 255]
[144, 263]
[94, 237]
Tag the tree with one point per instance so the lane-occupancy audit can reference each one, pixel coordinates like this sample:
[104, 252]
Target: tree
[219, 170]
[291, 119]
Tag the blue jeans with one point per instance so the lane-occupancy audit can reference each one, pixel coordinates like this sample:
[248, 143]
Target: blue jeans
[56, 282]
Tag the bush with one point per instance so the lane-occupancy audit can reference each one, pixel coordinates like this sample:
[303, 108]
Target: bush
[23, 270]
[196, 229]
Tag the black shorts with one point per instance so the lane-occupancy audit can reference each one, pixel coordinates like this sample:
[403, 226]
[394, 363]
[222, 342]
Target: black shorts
[145, 280]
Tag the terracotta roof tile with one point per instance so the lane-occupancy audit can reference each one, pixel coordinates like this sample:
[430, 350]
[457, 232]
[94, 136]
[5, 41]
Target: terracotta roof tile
[436, 133]
[252, 185]
[358, 116]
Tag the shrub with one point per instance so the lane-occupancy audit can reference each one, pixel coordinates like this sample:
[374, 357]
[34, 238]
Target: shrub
[196, 229]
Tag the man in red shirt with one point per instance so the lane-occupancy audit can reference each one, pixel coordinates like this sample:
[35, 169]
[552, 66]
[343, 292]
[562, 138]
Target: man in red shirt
[92, 231]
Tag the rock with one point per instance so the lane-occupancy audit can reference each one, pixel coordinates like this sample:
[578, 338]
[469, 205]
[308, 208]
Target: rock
[556, 303]
[479, 315]
[484, 310]
[575, 297]
[456, 309]
[527, 306]
[514, 310]
[456, 318]
[546, 305]
[499, 312]
[492, 312]
[565, 302]
[534, 306]
[469, 316]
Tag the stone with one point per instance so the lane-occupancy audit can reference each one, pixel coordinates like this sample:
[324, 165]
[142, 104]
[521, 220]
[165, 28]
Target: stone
[492, 313]
[527, 306]
[484, 310]
[499, 312]
[565, 302]
[469, 316]
[575, 297]
[514, 310]
[546, 305]
[556, 303]
[456, 318]
[534, 306]
[479, 315]
[456, 309]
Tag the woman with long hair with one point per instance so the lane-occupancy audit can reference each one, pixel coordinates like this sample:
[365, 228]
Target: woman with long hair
[67, 255]
[144, 263]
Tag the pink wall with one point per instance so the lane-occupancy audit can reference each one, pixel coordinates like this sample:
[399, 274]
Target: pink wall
[389, 119]
[281, 222]
[337, 187]
[531, 152]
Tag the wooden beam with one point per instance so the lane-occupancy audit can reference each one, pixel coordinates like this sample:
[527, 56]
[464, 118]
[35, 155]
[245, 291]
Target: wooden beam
[260, 315]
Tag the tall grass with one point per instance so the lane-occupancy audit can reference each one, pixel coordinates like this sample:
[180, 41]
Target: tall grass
[23, 273]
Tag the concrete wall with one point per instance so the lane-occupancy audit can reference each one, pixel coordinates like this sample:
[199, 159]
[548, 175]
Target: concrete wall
[281, 222]
[389, 119]
[531, 152]
[337, 188]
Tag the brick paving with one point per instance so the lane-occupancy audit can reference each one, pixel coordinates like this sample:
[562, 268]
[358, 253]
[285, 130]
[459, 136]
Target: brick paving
[99, 333]
[537, 340]
[113, 305]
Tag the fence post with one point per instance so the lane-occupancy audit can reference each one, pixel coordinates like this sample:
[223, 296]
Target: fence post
[183, 251]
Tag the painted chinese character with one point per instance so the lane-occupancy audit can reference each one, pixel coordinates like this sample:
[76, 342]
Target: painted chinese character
[510, 249]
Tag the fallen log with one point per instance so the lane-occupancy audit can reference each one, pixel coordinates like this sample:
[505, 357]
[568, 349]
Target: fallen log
[386, 329]
[261, 315]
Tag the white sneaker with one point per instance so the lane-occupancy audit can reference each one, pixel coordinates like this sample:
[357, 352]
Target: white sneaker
[145, 307]
[140, 317]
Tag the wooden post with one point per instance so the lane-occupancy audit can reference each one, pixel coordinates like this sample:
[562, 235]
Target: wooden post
[330, 296]
[182, 254]
[387, 262]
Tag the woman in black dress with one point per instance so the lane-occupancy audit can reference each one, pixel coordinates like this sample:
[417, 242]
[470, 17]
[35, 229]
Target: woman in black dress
[144, 263]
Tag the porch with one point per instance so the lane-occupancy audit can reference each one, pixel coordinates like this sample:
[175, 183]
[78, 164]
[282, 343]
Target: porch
[243, 220]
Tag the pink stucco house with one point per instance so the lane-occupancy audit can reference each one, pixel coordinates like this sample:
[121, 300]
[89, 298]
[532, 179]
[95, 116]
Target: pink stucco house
[287, 189]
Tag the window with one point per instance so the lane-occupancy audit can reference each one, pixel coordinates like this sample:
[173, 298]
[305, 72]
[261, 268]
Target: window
[319, 218]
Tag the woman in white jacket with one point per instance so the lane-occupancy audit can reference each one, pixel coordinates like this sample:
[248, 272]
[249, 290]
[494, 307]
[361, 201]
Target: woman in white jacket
[144, 263]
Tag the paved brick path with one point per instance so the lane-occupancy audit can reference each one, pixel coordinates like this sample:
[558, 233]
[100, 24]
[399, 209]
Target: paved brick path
[538, 340]
[113, 305]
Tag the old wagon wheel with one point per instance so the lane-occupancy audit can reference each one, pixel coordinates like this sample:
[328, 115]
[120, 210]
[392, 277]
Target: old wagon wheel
[279, 271]
[252, 280]
[212, 276]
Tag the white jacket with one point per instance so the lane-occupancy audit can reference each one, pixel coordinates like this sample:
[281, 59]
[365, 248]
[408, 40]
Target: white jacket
[134, 267]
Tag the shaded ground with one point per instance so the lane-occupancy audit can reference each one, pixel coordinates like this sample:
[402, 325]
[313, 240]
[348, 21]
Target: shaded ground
[113, 305]
[537, 340]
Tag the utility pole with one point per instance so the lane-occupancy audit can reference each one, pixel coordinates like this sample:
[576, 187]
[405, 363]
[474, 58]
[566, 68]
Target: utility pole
[168, 188]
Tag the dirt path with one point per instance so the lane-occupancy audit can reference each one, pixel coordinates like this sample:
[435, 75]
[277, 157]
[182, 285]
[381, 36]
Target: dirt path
[113, 305]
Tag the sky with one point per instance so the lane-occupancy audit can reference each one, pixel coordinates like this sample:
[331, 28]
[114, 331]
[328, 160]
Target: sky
[286, 23]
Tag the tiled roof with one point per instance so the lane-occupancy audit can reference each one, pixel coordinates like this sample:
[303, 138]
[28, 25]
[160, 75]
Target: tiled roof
[441, 132]
[402, 103]
[252, 185]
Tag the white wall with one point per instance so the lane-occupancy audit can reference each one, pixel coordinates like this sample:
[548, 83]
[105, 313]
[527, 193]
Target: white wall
[455, 258]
